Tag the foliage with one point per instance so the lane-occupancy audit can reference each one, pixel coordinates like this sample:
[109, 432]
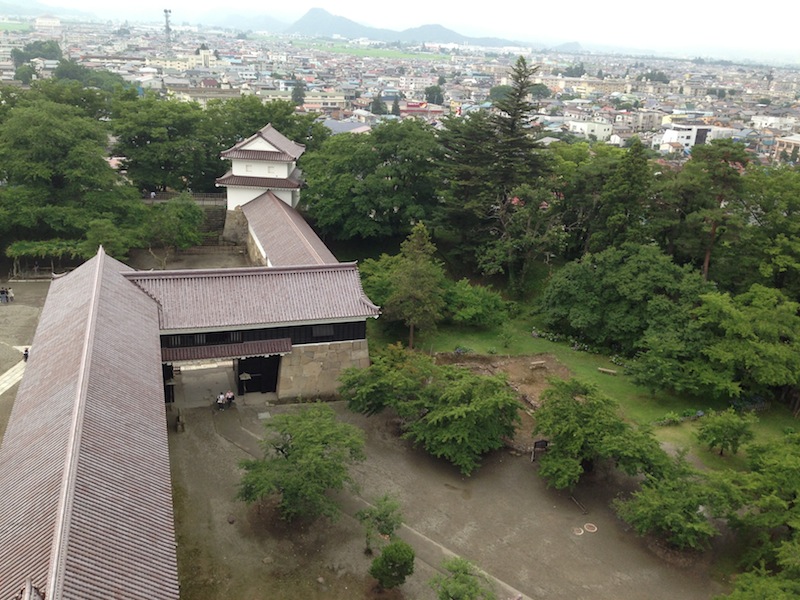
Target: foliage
[417, 296]
[434, 94]
[488, 158]
[450, 411]
[174, 225]
[615, 298]
[670, 507]
[47, 49]
[726, 430]
[166, 144]
[396, 376]
[582, 426]
[383, 519]
[474, 305]
[462, 582]
[727, 346]
[394, 564]
[373, 185]
[299, 92]
[462, 417]
[306, 454]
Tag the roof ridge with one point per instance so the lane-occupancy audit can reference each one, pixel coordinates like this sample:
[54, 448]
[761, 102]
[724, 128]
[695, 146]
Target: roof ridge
[64, 513]
[233, 271]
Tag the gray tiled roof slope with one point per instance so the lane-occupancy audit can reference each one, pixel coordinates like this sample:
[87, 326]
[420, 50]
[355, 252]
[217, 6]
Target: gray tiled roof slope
[252, 297]
[275, 138]
[265, 155]
[259, 182]
[286, 237]
[86, 508]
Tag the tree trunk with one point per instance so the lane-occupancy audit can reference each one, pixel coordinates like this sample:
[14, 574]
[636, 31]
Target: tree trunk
[707, 259]
[411, 336]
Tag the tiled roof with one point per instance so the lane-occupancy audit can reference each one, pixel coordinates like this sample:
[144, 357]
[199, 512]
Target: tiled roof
[283, 233]
[273, 137]
[234, 153]
[86, 504]
[259, 182]
[217, 299]
[243, 349]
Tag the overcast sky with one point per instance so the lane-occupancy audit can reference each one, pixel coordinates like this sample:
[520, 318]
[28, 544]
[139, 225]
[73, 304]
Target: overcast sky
[693, 26]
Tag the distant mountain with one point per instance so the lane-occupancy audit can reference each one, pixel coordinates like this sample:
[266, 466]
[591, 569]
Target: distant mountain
[31, 8]
[231, 20]
[320, 23]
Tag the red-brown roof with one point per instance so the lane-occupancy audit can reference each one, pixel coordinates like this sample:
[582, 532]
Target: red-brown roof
[218, 299]
[241, 350]
[283, 233]
[86, 504]
[273, 137]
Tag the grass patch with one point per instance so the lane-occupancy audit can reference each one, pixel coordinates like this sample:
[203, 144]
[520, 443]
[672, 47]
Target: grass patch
[10, 26]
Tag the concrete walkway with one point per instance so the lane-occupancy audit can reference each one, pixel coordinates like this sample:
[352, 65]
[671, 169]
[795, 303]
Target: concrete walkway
[243, 425]
[13, 376]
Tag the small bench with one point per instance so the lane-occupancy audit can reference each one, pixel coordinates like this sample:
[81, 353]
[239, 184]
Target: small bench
[607, 371]
[538, 364]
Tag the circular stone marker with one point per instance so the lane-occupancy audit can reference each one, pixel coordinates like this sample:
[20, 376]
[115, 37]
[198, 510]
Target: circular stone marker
[590, 527]
[577, 530]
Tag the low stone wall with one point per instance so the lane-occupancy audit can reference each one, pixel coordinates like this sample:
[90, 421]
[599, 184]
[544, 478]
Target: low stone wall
[313, 370]
[235, 229]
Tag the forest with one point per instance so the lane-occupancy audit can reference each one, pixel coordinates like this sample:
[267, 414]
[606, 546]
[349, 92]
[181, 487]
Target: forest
[689, 271]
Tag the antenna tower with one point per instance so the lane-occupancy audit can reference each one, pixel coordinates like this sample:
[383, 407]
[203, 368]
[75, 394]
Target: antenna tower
[167, 28]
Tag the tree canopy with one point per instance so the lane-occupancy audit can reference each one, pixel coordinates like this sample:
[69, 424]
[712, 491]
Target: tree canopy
[307, 453]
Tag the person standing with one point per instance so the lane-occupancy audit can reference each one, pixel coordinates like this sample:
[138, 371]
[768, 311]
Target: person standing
[221, 401]
[25, 355]
[10, 293]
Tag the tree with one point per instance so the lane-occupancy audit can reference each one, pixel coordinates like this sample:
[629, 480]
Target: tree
[582, 426]
[726, 430]
[299, 92]
[174, 225]
[378, 106]
[487, 159]
[615, 298]
[384, 518]
[434, 94]
[624, 201]
[450, 411]
[498, 92]
[670, 507]
[25, 74]
[166, 144]
[307, 453]
[539, 91]
[718, 167]
[462, 582]
[48, 49]
[393, 565]
[417, 296]
[373, 185]
[396, 106]
[726, 347]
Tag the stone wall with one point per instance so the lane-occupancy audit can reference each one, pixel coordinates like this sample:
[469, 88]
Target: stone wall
[235, 229]
[312, 370]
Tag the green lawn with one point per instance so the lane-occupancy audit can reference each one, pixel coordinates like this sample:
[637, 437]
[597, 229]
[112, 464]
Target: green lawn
[8, 26]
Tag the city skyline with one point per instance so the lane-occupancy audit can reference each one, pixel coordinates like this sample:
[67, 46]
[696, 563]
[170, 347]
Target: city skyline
[679, 28]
